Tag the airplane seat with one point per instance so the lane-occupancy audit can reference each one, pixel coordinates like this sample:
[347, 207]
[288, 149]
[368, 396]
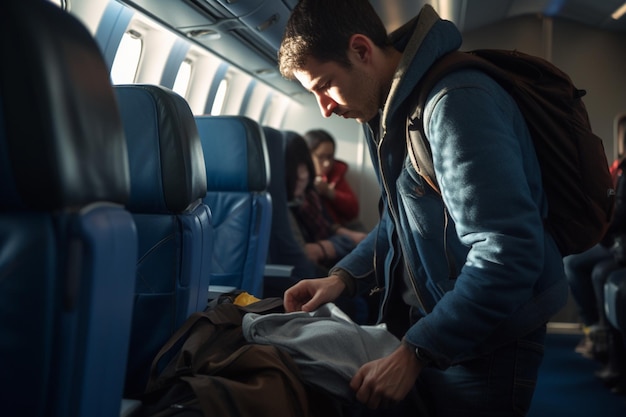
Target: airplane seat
[615, 299]
[284, 249]
[67, 244]
[168, 183]
[237, 171]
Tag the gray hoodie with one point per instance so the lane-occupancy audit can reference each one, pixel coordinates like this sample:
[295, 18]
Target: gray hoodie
[326, 344]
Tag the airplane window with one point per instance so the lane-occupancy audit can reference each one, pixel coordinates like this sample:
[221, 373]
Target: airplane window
[220, 97]
[182, 78]
[126, 59]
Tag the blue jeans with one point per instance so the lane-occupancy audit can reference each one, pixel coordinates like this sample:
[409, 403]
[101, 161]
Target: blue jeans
[500, 384]
[578, 270]
[599, 276]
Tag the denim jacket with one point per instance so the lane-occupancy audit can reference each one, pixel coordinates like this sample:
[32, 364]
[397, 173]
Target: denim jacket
[478, 264]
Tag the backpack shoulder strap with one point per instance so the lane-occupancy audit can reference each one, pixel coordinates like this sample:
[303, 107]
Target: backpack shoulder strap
[418, 147]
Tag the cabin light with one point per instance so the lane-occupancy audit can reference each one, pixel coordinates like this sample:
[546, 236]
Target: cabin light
[205, 34]
[617, 14]
[269, 22]
[134, 34]
[264, 72]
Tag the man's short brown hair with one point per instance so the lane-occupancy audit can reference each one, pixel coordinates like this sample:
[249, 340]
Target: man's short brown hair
[322, 29]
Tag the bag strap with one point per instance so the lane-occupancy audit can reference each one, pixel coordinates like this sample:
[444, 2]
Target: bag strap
[418, 147]
[264, 306]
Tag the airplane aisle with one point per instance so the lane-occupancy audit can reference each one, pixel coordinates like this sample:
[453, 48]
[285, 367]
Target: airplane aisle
[567, 385]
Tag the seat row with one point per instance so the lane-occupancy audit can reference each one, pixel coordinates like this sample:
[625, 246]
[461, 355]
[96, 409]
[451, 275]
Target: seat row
[118, 210]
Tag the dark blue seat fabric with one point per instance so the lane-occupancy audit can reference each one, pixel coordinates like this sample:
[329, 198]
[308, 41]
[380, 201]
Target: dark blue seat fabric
[67, 244]
[237, 171]
[168, 183]
[284, 249]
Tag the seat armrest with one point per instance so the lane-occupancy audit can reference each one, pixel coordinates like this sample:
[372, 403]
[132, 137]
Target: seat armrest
[217, 290]
[275, 270]
[128, 407]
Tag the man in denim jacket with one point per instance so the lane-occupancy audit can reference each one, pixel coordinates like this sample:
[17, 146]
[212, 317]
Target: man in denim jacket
[477, 274]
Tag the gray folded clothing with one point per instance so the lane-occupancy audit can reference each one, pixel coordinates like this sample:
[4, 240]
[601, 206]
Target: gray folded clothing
[326, 344]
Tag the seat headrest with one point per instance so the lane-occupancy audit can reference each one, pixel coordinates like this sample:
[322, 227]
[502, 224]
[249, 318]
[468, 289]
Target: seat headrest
[235, 153]
[62, 139]
[164, 152]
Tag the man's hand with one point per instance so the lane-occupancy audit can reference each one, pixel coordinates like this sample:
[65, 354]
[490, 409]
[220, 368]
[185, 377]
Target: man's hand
[309, 294]
[388, 380]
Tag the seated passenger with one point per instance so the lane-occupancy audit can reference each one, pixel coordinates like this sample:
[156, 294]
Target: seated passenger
[579, 269]
[324, 241]
[613, 374]
[330, 180]
[602, 341]
[587, 271]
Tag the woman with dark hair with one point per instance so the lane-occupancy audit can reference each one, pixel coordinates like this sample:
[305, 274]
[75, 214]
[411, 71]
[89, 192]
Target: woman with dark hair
[324, 241]
[330, 179]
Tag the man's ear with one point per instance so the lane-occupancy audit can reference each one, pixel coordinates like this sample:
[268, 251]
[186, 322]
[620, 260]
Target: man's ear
[362, 46]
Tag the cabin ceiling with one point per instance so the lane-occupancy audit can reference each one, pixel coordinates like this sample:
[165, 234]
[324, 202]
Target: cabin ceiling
[473, 14]
[247, 32]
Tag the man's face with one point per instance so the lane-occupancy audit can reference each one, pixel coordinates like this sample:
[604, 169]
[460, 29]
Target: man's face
[351, 93]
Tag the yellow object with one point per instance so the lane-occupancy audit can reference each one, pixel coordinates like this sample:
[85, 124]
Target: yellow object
[245, 299]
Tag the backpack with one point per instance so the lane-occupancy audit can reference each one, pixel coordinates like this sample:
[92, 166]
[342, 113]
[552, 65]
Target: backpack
[574, 167]
[208, 369]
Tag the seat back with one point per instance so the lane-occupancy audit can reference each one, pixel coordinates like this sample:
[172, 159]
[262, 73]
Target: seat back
[237, 171]
[67, 244]
[168, 183]
[284, 249]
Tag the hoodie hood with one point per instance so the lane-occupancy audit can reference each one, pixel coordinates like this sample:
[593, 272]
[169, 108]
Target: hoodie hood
[422, 40]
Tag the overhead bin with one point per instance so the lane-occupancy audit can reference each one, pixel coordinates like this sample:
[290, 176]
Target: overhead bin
[266, 19]
[245, 33]
[240, 7]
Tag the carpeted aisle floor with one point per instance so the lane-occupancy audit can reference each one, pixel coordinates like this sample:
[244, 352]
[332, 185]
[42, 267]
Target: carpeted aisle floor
[567, 386]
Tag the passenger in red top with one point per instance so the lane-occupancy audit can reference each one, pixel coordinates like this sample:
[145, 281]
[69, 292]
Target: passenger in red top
[339, 199]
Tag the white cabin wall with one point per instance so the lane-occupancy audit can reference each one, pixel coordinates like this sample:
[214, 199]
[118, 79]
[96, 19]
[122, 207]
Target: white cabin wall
[156, 47]
[258, 99]
[277, 108]
[89, 12]
[204, 69]
[237, 84]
